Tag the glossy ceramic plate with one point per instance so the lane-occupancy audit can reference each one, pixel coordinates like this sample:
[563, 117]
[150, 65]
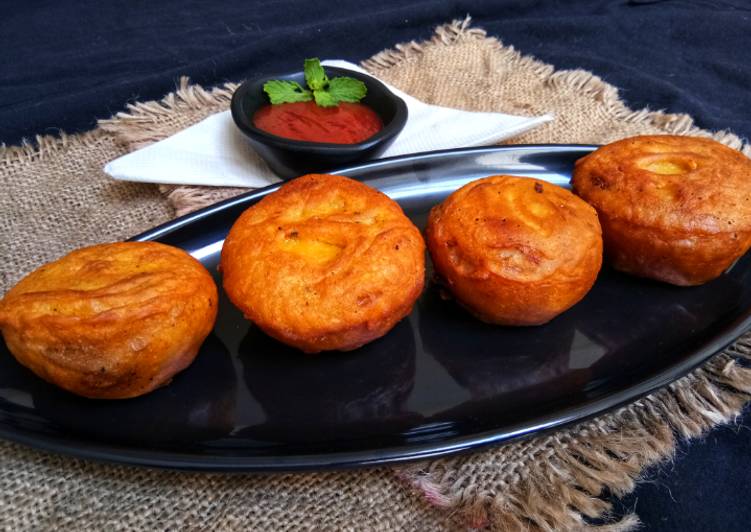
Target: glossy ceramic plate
[439, 382]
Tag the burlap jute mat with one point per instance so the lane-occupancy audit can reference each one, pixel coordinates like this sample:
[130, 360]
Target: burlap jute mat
[56, 197]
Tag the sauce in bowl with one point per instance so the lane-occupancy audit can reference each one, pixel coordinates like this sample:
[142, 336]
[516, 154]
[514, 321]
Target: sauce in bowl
[347, 123]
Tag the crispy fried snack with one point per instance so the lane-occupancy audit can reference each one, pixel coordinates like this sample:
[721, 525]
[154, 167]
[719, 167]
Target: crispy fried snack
[515, 250]
[324, 263]
[675, 209]
[111, 321]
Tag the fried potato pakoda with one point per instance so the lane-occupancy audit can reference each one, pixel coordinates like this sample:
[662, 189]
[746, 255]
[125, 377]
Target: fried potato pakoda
[515, 250]
[111, 321]
[324, 263]
[676, 209]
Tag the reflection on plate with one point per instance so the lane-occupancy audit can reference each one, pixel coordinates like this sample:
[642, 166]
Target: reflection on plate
[310, 398]
[198, 405]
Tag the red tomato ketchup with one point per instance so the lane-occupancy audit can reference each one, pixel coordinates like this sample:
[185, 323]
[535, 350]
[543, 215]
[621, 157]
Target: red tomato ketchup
[347, 123]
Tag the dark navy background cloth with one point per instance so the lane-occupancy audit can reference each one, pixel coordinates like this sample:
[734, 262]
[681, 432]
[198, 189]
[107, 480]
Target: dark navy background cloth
[63, 65]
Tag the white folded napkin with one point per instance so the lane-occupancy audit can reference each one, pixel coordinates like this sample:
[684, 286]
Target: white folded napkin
[214, 152]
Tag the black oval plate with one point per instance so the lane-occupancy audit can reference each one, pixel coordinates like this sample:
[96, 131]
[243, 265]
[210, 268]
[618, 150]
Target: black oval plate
[439, 383]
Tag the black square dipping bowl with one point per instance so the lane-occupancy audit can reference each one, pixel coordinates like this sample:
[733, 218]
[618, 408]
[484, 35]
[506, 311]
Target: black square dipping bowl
[290, 158]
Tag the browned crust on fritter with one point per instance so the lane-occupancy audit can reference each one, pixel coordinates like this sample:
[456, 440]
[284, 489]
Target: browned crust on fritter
[675, 209]
[515, 250]
[324, 263]
[111, 321]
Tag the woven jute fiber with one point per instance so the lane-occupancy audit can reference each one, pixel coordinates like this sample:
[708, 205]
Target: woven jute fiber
[56, 198]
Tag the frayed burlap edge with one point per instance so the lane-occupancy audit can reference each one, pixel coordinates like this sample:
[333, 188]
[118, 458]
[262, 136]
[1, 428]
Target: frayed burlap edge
[553, 482]
[142, 124]
[556, 482]
[45, 145]
[582, 81]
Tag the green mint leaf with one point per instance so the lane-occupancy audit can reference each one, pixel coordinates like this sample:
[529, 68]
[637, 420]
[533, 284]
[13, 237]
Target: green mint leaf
[326, 92]
[325, 99]
[281, 91]
[345, 89]
[315, 76]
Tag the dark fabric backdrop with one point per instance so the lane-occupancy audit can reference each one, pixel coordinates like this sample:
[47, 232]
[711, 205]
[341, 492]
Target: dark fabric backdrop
[65, 64]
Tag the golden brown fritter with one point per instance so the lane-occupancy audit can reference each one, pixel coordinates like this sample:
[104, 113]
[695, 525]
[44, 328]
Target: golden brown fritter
[324, 263]
[515, 250]
[675, 209]
[111, 321]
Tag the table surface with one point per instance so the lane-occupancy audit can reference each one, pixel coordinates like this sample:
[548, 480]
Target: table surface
[64, 65]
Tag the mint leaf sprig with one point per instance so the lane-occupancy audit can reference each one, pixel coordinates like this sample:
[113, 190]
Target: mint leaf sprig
[326, 92]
